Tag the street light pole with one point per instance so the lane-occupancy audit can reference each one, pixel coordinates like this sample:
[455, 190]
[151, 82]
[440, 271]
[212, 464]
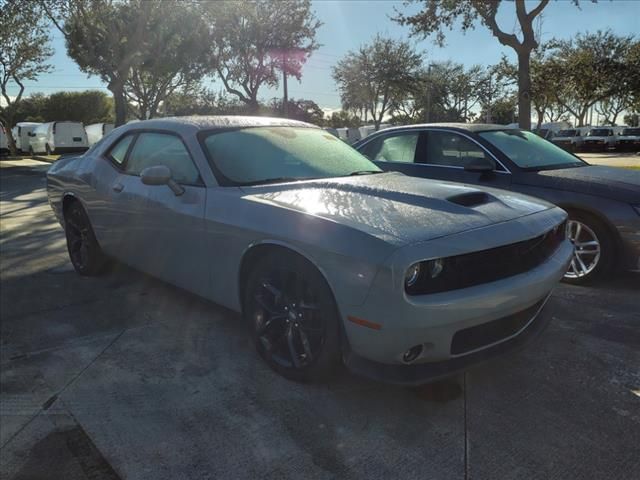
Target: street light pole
[285, 100]
[428, 112]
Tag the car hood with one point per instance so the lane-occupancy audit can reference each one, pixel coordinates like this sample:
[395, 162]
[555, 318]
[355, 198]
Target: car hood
[399, 208]
[611, 182]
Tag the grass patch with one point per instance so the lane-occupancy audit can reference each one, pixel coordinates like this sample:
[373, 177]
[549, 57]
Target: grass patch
[633, 168]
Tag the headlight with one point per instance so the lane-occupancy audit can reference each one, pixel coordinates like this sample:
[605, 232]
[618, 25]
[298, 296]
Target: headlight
[424, 271]
[412, 275]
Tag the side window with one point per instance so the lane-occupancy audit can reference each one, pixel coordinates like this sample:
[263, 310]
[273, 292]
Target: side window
[451, 150]
[396, 148]
[152, 149]
[119, 151]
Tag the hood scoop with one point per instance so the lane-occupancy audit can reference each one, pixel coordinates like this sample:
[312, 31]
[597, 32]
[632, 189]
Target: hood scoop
[470, 199]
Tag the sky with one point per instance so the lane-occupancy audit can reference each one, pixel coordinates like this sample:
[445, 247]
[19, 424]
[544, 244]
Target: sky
[349, 24]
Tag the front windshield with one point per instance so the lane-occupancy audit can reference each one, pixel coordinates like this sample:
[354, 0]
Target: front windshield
[529, 151]
[276, 154]
[566, 133]
[599, 132]
[631, 131]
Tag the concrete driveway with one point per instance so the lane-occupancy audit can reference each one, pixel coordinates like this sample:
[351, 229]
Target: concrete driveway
[123, 376]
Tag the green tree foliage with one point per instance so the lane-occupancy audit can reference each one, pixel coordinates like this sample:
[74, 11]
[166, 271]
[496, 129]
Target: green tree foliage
[436, 16]
[301, 109]
[502, 111]
[593, 67]
[90, 106]
[377, 76]
[201, 101]
[343, 119]
[546, 84]
[24, 51]
[105, 38]
[174, 58]
[447, 92]
[250, 39]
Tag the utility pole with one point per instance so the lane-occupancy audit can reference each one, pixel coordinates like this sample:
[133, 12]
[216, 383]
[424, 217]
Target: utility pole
[488, 119]
[285, 100]
[428, 112]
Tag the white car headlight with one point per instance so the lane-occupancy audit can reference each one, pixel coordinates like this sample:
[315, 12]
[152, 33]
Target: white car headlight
[412, 275]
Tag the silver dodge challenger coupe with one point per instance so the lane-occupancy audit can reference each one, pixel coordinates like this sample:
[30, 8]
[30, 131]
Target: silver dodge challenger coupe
[328, 258]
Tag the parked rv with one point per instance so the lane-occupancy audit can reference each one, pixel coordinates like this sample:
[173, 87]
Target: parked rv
[629, 140]
[96, 131]
[21, 133]
[600, 138]
[58, 137]
[4, 144]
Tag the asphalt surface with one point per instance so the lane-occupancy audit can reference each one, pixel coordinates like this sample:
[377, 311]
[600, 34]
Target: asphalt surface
[123, 376]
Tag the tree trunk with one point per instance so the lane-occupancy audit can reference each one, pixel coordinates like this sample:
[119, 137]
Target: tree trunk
[540, 114]
[253, 106]
[120, 103]
[524, 90]
[11, 143]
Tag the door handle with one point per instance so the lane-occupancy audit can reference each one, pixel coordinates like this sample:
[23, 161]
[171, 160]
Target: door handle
[118, 187]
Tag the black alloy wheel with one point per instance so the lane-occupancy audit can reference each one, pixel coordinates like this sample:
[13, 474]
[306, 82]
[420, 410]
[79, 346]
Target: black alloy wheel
[293, 317]
[84, 251]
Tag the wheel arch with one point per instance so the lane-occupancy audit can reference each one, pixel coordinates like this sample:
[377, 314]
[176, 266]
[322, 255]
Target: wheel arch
[69, 198]
[258, 250]
[604, 221]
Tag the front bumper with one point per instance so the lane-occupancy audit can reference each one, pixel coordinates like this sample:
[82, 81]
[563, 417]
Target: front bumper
[420, 373]
[435, 321]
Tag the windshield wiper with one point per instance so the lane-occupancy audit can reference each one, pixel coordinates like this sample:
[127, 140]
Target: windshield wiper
[265, 181]
[365, 172]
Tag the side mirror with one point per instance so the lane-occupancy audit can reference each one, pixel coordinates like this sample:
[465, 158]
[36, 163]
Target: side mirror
[481, 165]
[160, 175]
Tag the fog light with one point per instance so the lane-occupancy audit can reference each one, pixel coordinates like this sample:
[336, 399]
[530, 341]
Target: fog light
[411, 354]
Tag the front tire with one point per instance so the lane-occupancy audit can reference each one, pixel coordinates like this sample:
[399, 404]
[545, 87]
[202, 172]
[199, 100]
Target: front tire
[84, 251]
[594, 254]
[293, 317]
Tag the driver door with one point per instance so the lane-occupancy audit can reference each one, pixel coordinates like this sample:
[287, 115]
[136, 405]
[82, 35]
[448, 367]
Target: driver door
[169, 236]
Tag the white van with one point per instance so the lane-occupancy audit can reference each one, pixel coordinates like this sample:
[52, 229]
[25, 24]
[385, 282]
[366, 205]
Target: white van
[21, 133]
[343, 133]
[96, 131]
[4, 144]
[600, 138]
[58, 137]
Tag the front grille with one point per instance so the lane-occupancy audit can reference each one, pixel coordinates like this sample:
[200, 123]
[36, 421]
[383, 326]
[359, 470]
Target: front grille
[487, 266]
[488, 333]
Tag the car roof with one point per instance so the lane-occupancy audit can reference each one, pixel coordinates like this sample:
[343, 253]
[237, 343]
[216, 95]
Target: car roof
[470, 127]
[212, 122]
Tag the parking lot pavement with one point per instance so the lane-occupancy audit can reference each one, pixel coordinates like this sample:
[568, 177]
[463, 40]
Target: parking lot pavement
[612, 159]
[123, 376]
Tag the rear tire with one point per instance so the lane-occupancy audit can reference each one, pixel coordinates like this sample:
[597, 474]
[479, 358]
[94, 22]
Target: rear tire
[85, 253]
[293, 317]
[594, 254]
